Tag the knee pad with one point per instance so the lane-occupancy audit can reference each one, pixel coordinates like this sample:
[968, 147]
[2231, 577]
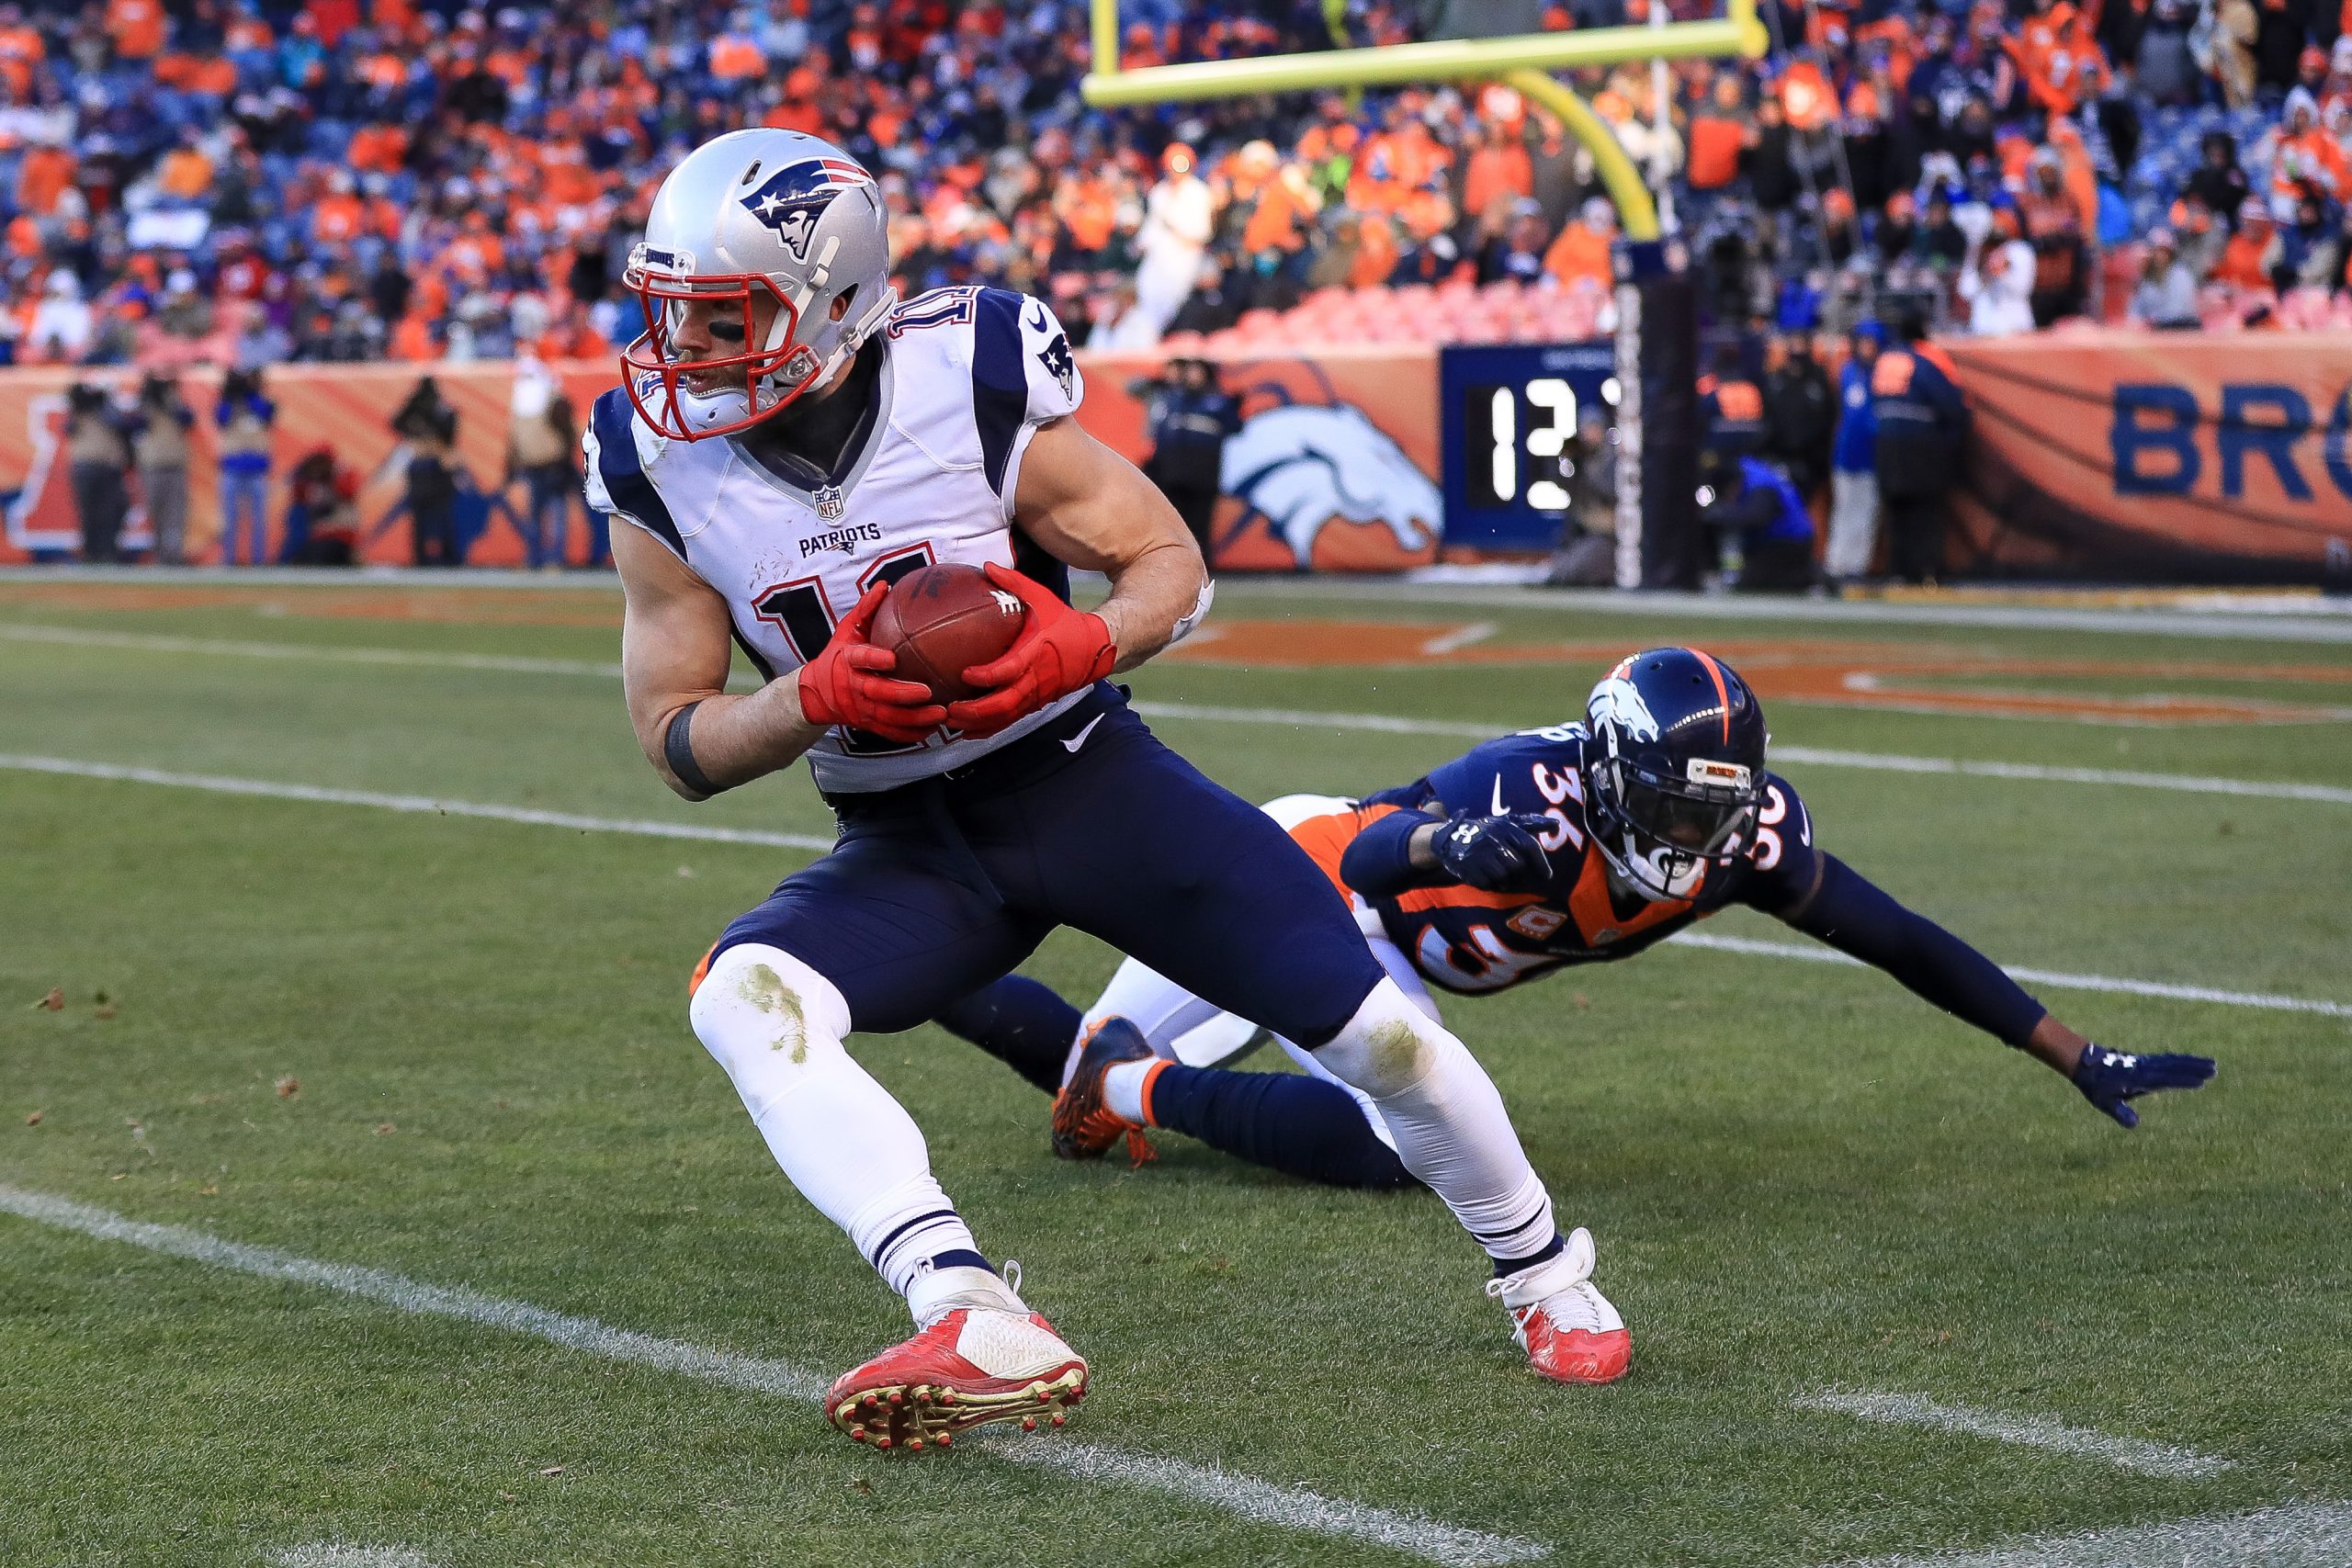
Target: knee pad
[763, 1012]
[1390, 1046]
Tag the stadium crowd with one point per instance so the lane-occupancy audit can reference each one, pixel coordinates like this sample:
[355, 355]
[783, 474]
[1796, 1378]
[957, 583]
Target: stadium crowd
[244, 181]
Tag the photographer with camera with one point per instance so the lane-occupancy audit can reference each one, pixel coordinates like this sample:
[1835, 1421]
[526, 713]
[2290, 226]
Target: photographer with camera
[1189, 417]
[98, 449]
[243, 418]
[161, 449]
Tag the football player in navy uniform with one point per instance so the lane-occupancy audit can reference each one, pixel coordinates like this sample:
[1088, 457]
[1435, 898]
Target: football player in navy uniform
[1578, 844]
[790, 438]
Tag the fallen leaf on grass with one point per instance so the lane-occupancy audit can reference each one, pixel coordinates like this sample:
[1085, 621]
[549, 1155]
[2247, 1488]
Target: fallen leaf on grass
[289, 1087]
[53, 1002]
[1584, 1003]
[33, 1120]
[211, 1191]
[552, 1470]
[106, 1010]
[385, 1129]
[506, 1497]
[865, 1488]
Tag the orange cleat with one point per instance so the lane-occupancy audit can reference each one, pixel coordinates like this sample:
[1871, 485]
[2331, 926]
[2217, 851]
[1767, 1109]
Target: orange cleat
[982, 1357]
[1567, 1326]
[1084, 1126]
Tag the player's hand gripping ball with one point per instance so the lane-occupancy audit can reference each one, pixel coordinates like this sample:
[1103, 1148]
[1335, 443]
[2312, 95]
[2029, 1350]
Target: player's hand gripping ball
[939, 621]
[853, 683]
[1060, 650]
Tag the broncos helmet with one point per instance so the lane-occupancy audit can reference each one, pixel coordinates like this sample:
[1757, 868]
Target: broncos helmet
[750, 215]
[1674, 769]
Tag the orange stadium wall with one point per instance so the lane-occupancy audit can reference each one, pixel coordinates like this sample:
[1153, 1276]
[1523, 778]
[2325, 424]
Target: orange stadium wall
[1338, 457]
[2157, 456]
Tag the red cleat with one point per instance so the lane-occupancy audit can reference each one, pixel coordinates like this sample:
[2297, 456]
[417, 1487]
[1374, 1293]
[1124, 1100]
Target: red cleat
[1567, 1326]
[1084, 1126]
[985, 1357]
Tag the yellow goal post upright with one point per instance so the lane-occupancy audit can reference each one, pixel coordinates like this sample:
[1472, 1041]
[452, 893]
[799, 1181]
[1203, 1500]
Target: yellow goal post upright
[1523, 61]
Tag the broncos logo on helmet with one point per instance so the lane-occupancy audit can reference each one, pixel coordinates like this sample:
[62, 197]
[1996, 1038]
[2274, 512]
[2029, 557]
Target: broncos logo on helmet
[791, 200]
[1304, 465]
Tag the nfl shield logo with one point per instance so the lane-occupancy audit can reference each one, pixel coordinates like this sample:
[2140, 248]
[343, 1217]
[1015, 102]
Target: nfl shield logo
[829, 503]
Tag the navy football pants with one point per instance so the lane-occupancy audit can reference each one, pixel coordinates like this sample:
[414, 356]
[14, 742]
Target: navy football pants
[936, 888]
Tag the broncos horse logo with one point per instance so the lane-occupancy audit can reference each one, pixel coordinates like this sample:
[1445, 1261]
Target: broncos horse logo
[1301, 466]
[792, 199]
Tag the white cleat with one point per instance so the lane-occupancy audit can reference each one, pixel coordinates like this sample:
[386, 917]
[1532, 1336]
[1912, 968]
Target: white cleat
[1567, 1326]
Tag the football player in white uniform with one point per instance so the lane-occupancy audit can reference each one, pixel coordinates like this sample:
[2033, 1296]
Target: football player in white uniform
[789, 438]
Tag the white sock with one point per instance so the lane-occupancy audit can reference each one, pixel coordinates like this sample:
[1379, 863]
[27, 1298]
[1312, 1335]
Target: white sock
[1123, 1088]
[1448, 1120]
[776, 1026]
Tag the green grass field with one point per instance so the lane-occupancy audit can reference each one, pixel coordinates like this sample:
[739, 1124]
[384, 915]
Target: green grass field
[455, 1050]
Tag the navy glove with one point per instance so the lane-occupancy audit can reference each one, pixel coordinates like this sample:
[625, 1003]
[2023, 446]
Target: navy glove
[1499, 854]
[2110, 1079]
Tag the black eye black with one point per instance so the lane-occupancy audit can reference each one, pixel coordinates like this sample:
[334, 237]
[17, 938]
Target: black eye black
[730, 332]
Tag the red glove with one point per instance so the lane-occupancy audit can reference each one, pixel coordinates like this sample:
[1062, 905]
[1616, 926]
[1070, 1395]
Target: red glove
[845, 683]
[1059, 651]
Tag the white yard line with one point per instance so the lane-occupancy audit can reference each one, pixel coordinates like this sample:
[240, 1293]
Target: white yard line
[422, 804]
[1459, 639]
[644, 827]
[335, 1554]
[2314, 1535]
[305, 652]
[2059, 978]
[2028, 1431]
[1382, 724]
[1244, 1496]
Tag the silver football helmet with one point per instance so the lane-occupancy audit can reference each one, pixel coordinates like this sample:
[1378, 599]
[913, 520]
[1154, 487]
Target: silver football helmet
[756, 211]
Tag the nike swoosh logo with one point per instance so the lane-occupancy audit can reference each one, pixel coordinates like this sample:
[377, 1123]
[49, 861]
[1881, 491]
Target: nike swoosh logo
[1040, 323]
[1500, 810]
[1075, 741]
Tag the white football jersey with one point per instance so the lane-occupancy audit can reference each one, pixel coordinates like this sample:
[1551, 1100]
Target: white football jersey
[967, 375]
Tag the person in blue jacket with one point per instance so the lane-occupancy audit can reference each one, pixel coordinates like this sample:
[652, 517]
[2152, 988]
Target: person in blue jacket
[1853, 462]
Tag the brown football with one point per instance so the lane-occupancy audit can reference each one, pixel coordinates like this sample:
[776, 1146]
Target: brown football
[942, 620]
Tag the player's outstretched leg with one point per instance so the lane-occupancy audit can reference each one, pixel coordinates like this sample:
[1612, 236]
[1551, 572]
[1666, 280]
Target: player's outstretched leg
[1451, 1131]
[979, 1354]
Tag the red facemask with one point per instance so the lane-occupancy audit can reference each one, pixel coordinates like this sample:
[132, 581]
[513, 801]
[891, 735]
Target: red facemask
[650, 362]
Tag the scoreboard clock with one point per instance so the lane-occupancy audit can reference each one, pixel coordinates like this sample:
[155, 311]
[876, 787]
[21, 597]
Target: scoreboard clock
[1509, 416]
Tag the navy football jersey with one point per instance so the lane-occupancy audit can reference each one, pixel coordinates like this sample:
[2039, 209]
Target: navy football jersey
[1465, 939]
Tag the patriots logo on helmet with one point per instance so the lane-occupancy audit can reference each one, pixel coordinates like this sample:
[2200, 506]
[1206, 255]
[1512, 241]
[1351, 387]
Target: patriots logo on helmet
[791, 200]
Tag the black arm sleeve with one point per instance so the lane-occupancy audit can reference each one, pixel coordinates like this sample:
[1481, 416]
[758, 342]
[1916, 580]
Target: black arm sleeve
[1857, 917]
[1376, 864]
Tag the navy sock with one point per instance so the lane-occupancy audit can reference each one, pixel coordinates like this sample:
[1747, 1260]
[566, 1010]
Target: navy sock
[1021, 1022]
[1508, 1266]
[1286, 1122]
[961, 1258]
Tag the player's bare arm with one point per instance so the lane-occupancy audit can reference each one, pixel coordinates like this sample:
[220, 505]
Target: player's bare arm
[675, 656]
[1088, 507]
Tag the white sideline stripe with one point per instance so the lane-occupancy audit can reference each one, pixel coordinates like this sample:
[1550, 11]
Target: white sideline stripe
[2031, 1431]
[307, 652]
[1808, 756]
[1883, 762]
[1242, 1496]
[2316, 1535]
[2035, 977]
[335, 1554]
[422, 804]
[1383, 724]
